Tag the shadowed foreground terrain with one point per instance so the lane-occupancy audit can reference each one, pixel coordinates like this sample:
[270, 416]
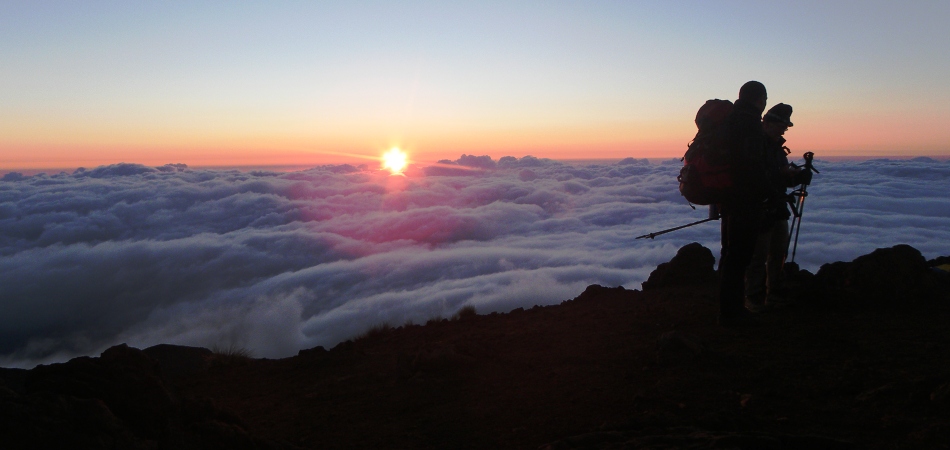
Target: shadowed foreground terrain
[859, 360]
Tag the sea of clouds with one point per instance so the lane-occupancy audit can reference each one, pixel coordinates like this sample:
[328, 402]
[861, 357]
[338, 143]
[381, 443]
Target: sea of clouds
[277, 262]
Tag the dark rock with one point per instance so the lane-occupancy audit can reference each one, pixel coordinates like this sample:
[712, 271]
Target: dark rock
[597, 439]
[940, 270]
[939, 261]
[799, 283]
[317, 351]
[692, 265]
[178, 361]
[124, 378]
[44, 420]
[895, 276]
[12, 379]
[691, 438]
[118, 400]
[941, 395]
[677, 346]
[934, 434]
[598, 292]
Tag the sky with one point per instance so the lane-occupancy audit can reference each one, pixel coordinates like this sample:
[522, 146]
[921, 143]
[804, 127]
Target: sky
[206, 83]
[275, 262]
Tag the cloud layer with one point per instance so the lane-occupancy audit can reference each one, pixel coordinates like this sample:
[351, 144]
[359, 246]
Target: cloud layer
[276, 262]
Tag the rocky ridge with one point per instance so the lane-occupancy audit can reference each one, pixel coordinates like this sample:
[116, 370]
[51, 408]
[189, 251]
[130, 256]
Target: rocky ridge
[857, 361]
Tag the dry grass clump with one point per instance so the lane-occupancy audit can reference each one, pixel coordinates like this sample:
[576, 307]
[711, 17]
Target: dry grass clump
[467, 312]
[434, 320]
[230, 355]
[376, 331]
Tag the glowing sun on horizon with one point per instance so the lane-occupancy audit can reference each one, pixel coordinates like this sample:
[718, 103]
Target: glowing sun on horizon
[394, 160]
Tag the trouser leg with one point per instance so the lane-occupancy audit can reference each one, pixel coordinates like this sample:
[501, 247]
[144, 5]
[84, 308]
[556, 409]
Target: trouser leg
[739, 233]
[755, 274]
[778, 240]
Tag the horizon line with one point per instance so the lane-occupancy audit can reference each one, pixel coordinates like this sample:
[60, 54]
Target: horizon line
[31, 171]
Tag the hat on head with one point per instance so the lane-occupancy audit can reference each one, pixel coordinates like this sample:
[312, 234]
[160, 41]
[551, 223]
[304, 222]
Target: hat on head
[780, 113]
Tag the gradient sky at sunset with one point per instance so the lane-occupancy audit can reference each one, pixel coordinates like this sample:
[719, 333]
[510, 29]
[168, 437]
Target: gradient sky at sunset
[270, 83]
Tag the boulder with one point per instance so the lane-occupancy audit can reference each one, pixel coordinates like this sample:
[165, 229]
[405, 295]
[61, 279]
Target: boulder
[179, 361]
[894, 276]
[693, 265]
[597, 292]
[118, 400]
[124, 379]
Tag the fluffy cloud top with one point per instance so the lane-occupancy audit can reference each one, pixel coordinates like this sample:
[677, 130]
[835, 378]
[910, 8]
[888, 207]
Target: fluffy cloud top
[277, 262]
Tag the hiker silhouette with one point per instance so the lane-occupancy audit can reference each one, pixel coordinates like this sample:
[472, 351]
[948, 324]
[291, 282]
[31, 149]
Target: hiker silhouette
[765, 278]
[742, 214]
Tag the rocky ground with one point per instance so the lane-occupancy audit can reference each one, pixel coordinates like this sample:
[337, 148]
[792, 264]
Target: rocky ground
[858, 361]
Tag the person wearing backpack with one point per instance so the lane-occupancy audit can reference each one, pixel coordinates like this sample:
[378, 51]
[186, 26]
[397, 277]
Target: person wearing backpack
[764, 278]
[742, 213]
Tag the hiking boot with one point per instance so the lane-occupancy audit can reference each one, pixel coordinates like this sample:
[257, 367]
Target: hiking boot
[740, 318]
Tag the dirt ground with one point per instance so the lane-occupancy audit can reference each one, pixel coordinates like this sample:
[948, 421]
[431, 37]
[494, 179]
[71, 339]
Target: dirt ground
[613, 368]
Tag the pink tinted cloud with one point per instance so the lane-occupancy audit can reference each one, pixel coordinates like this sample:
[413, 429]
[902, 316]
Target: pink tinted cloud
[282, 261]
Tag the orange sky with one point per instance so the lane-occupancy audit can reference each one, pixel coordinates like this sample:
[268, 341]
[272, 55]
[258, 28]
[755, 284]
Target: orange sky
[92, 84]
[882, 136]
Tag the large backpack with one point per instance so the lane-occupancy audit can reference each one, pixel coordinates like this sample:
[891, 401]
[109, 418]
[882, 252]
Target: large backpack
[706, 176]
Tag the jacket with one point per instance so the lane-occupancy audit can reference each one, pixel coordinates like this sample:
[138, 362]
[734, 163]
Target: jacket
[745, 141]
[776, 162]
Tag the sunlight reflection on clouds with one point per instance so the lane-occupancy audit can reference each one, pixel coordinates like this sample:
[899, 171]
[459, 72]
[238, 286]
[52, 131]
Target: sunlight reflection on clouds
[277, 262]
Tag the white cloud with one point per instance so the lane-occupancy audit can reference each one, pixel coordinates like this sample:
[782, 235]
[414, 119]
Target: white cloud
[278, 262]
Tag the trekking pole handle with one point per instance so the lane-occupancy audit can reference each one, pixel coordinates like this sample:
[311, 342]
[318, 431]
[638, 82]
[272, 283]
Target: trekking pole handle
[809, 156]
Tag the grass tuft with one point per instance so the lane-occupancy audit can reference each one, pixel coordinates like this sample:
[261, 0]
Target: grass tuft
[434, 320]
[467, 312]
[230, 355]
[376, 331]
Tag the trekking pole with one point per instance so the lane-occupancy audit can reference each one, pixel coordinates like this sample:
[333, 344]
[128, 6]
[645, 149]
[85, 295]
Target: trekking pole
[713, 215]
[799, 208]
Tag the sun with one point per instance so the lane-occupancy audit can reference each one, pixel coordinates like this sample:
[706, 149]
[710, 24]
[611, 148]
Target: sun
[394, 160]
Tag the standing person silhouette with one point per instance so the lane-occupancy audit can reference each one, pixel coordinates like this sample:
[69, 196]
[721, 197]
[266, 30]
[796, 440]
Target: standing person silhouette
[742, 214]
[765, 279]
